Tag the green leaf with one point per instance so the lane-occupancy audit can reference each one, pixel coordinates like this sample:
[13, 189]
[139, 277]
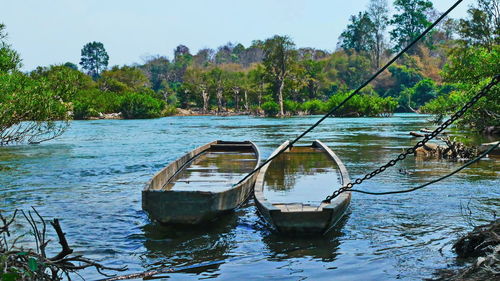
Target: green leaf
[22, 253]
[33, 264]
[9, 276]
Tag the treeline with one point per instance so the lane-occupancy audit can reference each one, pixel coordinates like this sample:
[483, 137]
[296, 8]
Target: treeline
[274, 77]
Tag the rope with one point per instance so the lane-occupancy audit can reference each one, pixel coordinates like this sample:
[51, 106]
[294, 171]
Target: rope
[433, 181]
[333, 110]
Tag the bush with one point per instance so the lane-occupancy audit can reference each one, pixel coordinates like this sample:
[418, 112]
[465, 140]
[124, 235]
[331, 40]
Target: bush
[139, 106]
[90, 103]
[82, 110]
[291, 107]
[169, 110]
[270, 108]
[362, 105]
[314, 106]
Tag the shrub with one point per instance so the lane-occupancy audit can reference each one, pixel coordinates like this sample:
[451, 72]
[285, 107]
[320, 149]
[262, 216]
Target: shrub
[270, 108]
[314, 106]
[89, 103]
[169, 110]
[83, 110]
[291, 106]
[139, 106]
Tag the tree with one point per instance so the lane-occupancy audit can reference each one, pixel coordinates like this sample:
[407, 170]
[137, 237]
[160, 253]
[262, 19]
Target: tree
[123, 79]
[279, 56]
[359, 34]
[30, 110]
[71, 65]
[94, 59]
[482, 27]
[409, 22]
[182, 58]
[216, 77]
[9, 58]
[158, 69]
[197, 80]
[256, 78]
[378, 12]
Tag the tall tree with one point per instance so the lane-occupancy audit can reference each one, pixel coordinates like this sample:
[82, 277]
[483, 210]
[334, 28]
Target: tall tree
[279, 57]
[94, 59]
[182, 59]
[358, 35]
[378, 11]
[482, 27]
[159, 71]
[409, 21]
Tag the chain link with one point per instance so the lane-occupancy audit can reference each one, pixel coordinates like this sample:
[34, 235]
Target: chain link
[428, 137]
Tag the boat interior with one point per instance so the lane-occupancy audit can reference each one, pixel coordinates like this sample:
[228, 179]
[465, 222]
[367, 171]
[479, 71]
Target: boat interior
[300, 178]
[215, 169]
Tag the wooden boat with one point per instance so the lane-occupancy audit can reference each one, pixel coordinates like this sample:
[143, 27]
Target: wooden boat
[289, 190]
[202, 184]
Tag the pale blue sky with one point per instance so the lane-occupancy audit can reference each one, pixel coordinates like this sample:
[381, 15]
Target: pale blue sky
[54, 31]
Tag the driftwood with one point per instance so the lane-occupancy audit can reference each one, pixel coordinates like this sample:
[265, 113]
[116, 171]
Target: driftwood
[451, 150]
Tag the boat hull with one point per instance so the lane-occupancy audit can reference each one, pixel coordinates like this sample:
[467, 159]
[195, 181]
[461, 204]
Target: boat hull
[193, 207]
[299, 219]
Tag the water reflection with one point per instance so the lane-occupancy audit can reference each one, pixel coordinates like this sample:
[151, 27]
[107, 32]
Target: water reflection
[181, 245]
[303, 174]
[324, 248]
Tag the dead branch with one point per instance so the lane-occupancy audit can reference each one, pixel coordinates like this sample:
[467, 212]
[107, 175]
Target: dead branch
[34, 263]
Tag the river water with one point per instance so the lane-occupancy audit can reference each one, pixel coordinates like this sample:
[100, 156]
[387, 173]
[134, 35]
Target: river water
[92, 176]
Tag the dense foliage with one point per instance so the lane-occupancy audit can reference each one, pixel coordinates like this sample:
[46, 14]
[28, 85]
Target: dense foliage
[472, 63]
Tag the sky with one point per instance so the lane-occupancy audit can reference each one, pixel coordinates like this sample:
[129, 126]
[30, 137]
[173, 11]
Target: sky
[54, 31]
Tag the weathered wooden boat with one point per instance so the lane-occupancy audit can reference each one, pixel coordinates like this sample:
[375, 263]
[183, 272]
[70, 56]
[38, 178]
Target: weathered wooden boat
[202, 184]
[289, 190]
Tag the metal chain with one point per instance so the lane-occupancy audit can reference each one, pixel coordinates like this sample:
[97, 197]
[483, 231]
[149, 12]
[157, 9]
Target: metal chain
[484, 91]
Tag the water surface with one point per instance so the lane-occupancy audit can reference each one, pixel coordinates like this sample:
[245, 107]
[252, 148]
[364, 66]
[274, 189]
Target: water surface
[304, 174]
[92, 178]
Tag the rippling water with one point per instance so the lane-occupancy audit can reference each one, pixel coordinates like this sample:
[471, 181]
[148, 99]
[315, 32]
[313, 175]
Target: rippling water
[92, 178]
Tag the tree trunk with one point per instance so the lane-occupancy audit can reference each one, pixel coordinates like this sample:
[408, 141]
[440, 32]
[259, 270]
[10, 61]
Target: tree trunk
[204, 95]
[236, 92]
[219, 100]
[246, 101]
[280, 97]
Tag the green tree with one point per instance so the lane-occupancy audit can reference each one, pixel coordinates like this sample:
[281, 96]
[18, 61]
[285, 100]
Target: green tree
[123, 79]
[409, 21]
[257, 80]
[279, 57]
[9, 58]
[94, 59]
[359, 34]
[158, 69]
[378, 11]
[65, 82]
[30, 110]
[482, 27]
[71, 65]
[197, 81]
